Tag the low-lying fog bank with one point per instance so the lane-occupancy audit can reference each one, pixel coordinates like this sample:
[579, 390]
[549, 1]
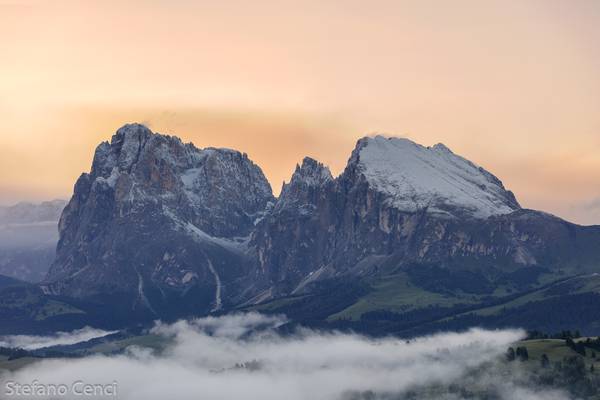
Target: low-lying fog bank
[242, 357]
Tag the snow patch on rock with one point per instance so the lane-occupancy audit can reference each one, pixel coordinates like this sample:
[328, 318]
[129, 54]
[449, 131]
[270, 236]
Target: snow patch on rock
[415, 177]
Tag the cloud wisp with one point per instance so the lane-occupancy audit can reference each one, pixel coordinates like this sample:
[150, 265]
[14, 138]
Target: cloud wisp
[32, 342]
[593, 205]
[241, 356]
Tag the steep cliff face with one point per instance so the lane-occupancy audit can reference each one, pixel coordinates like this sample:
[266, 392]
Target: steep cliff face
[407, 204]
[158, 222]
[295, 236]
[162, 228]
[416, 202]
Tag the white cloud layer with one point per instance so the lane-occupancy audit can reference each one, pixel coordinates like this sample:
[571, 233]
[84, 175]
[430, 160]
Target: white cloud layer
[59, 338]
[200, 363]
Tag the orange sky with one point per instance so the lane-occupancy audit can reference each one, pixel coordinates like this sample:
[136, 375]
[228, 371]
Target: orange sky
[512, 85]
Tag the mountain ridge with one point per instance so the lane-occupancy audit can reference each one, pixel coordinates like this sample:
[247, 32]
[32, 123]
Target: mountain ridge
[162, 229]
[28, 236]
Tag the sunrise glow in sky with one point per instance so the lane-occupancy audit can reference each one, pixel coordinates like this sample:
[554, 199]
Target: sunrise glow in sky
[511, 85]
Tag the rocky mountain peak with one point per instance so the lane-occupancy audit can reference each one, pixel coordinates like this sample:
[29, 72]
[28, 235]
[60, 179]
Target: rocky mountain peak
[312, 172]
[128, 142]
[139, 166]
[131, 131]
[414, 177]
[441, 147]
[159, 228]
[306, 183]
[156, 212]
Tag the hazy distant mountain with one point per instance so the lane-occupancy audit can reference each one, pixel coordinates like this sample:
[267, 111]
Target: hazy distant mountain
[407, 238]
[28, 237]
[32, 213]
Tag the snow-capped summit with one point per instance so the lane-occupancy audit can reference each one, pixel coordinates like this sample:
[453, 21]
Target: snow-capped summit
[415, 177]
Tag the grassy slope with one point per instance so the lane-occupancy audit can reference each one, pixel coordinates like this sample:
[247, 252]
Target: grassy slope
[154, 342]
[396, 293]
[30, 301]
[585, 284]
[556, 350]
[274, 305]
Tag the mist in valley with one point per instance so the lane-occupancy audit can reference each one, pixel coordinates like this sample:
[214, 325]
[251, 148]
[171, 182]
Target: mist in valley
[244, 356]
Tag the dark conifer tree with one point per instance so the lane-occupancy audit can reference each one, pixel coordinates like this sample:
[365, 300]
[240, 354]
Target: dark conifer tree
[510, 354]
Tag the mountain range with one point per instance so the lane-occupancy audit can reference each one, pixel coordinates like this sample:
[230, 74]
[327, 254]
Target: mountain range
[28, 237]
[407, 239]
